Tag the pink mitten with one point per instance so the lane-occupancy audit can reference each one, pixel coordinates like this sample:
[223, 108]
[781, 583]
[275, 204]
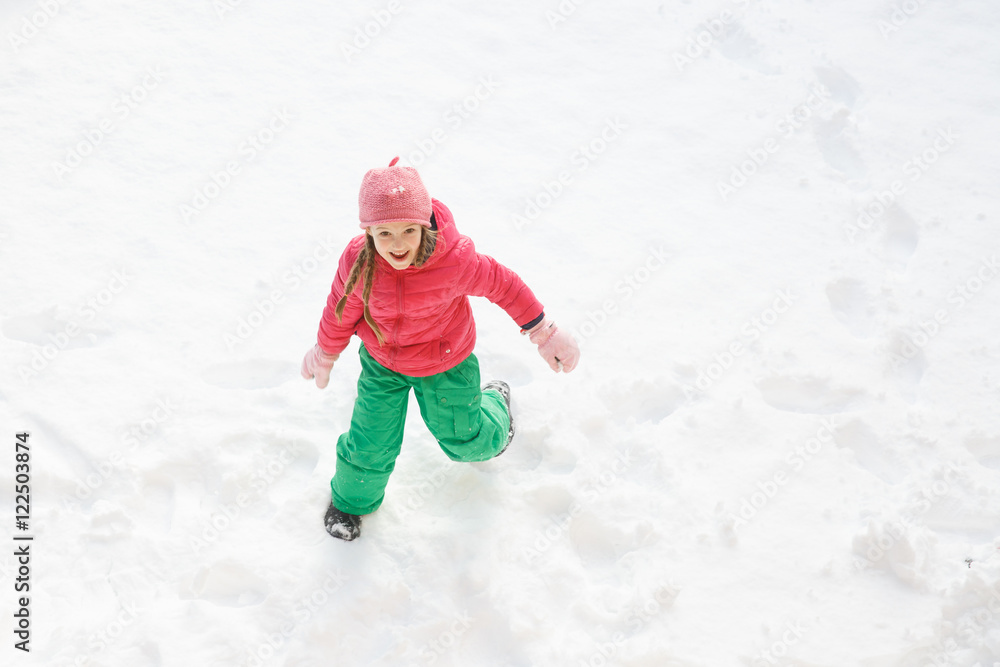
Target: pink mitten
[318, 364]
[557, 347]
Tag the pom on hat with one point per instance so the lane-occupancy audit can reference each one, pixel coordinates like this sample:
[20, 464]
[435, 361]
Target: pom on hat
[394, 194]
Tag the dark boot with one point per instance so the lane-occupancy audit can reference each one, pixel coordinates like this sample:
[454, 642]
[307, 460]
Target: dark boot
[341, 524]
[504, 389]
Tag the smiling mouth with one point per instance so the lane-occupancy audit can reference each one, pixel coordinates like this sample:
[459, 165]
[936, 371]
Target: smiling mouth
[400, 256]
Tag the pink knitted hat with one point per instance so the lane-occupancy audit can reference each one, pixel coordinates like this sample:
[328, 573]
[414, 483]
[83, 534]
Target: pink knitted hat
[394, 194]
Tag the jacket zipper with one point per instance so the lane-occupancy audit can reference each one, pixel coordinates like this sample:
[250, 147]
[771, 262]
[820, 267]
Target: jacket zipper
[399, 318]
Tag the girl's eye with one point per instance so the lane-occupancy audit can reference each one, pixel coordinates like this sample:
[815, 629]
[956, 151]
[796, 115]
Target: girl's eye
[410, 230]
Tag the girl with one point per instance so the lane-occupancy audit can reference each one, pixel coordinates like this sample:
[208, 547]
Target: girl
[403, 288]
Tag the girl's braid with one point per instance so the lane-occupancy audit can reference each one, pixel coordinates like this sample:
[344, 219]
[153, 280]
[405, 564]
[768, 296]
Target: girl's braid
[365, 262]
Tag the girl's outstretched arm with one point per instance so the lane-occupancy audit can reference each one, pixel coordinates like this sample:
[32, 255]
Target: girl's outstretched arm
[489, 278]
[505, 288]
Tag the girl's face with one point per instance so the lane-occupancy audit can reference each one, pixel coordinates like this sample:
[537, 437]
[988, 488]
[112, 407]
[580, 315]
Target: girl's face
[397, 242]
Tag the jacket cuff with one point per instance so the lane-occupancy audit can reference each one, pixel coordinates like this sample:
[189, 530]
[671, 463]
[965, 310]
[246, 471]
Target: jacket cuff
[533, 323]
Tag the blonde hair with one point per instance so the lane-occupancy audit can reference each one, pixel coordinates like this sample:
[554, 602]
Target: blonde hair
[364, 270]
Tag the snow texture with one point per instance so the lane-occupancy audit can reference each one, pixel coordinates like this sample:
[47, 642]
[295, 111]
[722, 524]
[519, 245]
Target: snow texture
[772, 225]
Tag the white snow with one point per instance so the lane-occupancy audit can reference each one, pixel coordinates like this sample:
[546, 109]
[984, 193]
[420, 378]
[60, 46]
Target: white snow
[781, 447]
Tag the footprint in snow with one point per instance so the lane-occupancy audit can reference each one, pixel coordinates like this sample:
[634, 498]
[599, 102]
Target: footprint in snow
[53, 329]
[832, 134]
[109, 522]
[158, 503]
[842, 87]
[737, 45]
[853, 306]
[985, 449]
[596, 541]
[645, 400]
[226, 583]
[255, 374]
[807, 394]
[876, 457]
[906, 362]
[835, 146]
[551, 499]
[902, 233]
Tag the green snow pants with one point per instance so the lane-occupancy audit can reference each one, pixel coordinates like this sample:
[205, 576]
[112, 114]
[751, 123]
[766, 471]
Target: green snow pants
[469, 425]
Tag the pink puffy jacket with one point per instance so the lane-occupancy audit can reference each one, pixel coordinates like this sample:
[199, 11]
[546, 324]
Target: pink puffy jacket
[424, 313]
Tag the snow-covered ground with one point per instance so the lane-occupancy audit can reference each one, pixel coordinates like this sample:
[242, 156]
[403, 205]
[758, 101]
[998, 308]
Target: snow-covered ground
[771, 224]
